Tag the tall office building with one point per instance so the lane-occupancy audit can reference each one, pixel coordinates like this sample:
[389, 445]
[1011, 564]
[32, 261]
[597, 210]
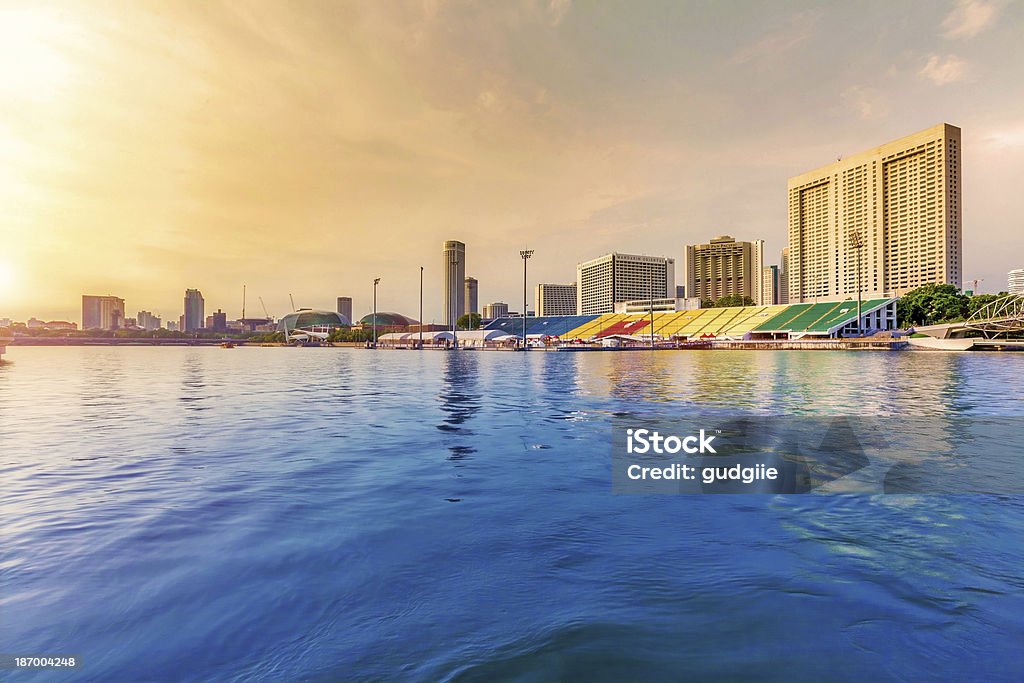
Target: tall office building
[102, 312]
[345, 307]
[471, 296]
[614, 278]
[453, 265]
[1015, 281]
[770, 285]
[555, 299]
[895, 209]
[724, 267]
[495, 310]
[194, 316]
[784, 277]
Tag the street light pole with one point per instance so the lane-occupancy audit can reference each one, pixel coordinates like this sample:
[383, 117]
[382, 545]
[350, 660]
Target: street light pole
[650, 294]
[376, 281]
[453, 307]
[526, 254]
[857, 243]
[421, 308]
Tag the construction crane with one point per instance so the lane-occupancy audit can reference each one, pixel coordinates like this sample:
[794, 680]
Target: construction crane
[292, 300]
[265, 309]
[243, 302]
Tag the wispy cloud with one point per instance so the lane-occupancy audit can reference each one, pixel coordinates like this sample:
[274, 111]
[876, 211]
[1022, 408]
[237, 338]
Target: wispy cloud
[944, 70]
[869, 103]
[794, 32]
[969, 18]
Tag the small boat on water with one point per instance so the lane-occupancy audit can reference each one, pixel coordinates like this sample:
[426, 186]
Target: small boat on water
[227, 344]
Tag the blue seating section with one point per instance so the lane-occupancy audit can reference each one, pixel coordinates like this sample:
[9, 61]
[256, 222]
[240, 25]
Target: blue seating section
[552, 325]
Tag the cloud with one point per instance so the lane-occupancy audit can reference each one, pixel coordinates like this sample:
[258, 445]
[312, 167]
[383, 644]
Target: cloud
[969, 18]
[866, 101]
[944, 70]
[796, 30]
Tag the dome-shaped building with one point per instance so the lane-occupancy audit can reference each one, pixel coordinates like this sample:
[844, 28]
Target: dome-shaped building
[308, 318]
[388, 320]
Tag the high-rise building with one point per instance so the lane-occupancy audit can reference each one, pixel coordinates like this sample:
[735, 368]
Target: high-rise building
[724, 267]
[770, 285]
[148, 321]
[345, 307]
[555, 299]
[454, 268]
[217, 322]
[471, 298]
[102, 312]
[613, 278]
[172, 326]
[784, 277]
[889, 218]
[1015, 281]
[495, 310]
[194, 316]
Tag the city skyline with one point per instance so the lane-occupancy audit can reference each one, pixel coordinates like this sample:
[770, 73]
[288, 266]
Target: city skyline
[562, 134]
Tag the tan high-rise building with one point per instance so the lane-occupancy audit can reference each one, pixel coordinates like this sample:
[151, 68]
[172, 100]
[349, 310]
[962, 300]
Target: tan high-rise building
[613, 278]
[552, 299]
[900, 202]
[102, 312]
[724, 267]
[454, 294]
[784, 277]
[471, 299]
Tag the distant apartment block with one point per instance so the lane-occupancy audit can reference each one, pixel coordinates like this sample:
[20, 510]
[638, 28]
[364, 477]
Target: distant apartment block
[770, 286]
[147, 321]
[724, 267]
[172, 326]
[495, 310]
[551, 299]
[895, 209]
[453, 265]
[345, 307]
[194, 317]
[614, 278]
[102, 312]
[217, 322]
[471, 298]
[1015, 281]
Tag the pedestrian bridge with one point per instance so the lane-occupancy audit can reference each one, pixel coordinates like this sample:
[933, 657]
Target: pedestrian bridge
[1002, 318]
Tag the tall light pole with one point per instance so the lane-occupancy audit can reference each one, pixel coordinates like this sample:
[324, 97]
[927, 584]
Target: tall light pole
[526, 254]
[857, 244]
[421, 308]
[650, 294]
[376, 281]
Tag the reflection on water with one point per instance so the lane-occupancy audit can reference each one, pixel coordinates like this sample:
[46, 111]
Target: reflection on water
[338, 514]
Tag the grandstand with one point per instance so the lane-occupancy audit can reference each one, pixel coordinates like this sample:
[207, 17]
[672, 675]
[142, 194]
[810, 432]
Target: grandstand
[795, 321]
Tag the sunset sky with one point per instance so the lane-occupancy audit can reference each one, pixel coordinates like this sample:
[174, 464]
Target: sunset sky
[308, 147]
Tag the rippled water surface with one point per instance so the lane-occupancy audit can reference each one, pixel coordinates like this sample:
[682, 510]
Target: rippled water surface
[337, 514]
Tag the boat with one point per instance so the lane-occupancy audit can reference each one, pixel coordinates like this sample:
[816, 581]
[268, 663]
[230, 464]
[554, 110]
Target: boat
[227, 344]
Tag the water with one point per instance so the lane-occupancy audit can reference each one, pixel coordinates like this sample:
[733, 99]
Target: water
[194, 514]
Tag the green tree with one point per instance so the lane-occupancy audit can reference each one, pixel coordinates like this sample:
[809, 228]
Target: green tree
[932, 305]
[733, 300]
[469, 321]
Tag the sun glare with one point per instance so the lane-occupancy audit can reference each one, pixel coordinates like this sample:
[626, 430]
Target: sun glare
[31, 64]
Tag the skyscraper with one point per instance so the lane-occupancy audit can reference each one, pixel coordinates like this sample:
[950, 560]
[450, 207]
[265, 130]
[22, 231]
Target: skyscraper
[345, 307]
[612, 278]
[102, 312]
[1015, 281]
[194, 316]
[724, 267]
[454, 268]
[889, 217]
[471, 295]
[784, 277]
[555, 299]
[496, 310]
[770, 285]
[148, 321]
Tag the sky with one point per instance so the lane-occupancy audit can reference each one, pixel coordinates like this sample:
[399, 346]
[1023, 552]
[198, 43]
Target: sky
[305, 148]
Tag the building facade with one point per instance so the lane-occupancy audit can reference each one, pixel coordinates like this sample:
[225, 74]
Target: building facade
[888, 218]
[495, 310]
[784, 276]
[345, 307]
[551, 299]
[770, 286]
[194, 316]
[102, 312]
[148, 321]
[724, 267]
[453, 265]
[1015, 281]
[471, 299]
[614, 278]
